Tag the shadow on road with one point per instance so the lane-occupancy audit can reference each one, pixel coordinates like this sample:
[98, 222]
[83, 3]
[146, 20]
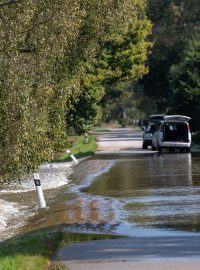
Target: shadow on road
[133, 248]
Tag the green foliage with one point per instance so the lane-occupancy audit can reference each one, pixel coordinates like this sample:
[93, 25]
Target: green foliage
[120, 59]
[84, 111]
[80, 148]
[185, 83]
[121, 54]
[33, 96]
[174, 23]
[46, 48]
[123, 60]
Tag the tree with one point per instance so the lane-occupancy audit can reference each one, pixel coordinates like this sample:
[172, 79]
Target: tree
[174, 23]
[33, 37]
[123, 60]
[120, 58]
[185, 84]
[45, 47]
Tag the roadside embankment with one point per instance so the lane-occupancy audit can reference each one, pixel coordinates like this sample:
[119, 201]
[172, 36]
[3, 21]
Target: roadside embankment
[80, 146]
[33, 251]
[18, 199]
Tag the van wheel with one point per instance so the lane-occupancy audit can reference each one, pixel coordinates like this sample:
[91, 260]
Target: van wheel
[158, 148]
[187, 149]
[144, 145]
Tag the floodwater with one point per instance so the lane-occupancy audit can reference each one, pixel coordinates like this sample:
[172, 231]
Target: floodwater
[144, 195]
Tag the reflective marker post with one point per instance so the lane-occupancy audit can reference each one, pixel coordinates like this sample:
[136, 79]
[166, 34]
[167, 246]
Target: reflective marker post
[41, 201]
[86, 138]
[72, 156]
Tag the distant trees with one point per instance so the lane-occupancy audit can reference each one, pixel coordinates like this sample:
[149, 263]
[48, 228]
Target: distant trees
[185, 83]
[175, 23]
[120, 60]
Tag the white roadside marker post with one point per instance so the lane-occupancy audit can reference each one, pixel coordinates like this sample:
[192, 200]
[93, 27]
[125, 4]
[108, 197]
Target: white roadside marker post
[72, 156]
[86, 138]
[41, 201]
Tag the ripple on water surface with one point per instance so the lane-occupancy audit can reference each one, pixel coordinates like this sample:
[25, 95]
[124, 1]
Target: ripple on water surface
[18, 201]
[159, 192]
[146, 196]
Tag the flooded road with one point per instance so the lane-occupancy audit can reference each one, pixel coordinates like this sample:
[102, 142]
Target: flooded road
[155, 195]
[138, 196]
[135, 195]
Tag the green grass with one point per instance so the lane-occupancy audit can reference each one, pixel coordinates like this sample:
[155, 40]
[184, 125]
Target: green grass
[33, 251]
[79, 148]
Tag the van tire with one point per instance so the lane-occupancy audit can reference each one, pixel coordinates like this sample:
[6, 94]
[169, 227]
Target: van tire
[144, 145]
[158, 148]
[187, 149]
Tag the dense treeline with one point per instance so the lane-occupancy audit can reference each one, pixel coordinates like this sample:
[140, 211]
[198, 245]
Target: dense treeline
[173, 81]
[120, 59]
[51, 71]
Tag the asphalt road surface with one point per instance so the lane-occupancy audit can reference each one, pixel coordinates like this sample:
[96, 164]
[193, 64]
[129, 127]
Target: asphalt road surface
[121, 142]
[156, 253]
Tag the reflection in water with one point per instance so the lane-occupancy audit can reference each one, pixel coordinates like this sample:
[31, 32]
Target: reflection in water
[133, 176]
[154, 192]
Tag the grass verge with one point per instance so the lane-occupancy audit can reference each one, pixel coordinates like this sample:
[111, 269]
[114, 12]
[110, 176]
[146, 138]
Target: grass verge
[79, 147]
[33, 251]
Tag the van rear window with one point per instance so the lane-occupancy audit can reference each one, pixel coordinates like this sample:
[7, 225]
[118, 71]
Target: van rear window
[176, 132]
